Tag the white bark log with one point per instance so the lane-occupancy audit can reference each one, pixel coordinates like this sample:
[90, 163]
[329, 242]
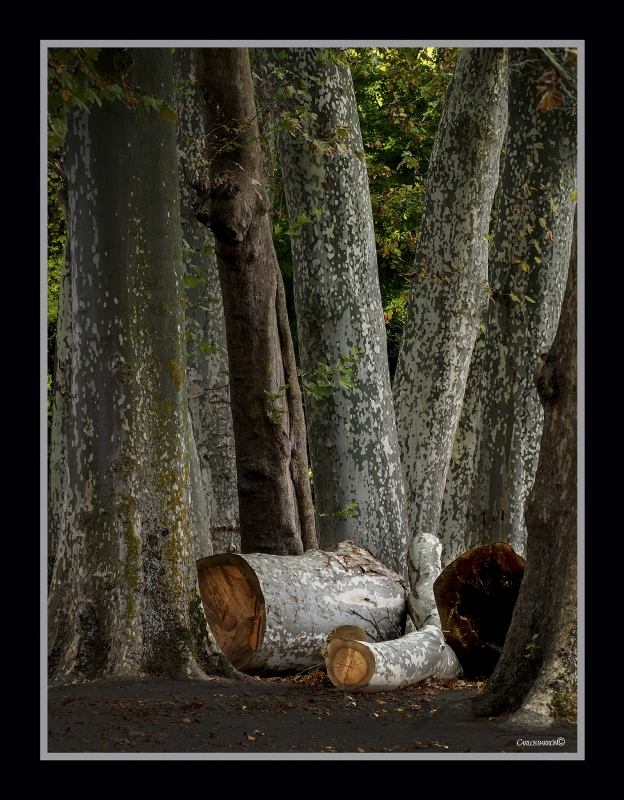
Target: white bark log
[208, 381]
[352, 433]
[384, 666]
[446, 299]
[425, 566]
[273, 613]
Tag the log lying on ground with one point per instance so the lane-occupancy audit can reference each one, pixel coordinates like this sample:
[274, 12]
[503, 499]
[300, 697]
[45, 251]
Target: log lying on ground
[476, 595]
[356, 665]
[273, 613]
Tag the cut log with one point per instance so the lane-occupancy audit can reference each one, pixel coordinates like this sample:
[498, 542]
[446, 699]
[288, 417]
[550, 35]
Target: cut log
[476, 595]
[272, 613]
[383, 666]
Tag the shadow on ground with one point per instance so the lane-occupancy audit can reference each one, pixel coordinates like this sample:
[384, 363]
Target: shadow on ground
[305, 714]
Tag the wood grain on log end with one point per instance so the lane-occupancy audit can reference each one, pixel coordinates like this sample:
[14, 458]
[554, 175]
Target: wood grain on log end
[348, 632]
[350, 664]
[476, 595]
[234, 605]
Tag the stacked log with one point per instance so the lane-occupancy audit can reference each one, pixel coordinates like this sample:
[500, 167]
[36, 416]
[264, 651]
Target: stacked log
[354, 664]
[476, 595]
[272, 614]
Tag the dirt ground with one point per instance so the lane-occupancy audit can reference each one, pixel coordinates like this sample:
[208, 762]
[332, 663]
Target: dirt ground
[297, 715]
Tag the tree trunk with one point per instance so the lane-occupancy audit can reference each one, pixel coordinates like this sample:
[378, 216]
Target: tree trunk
[447, 299]
[124, 598]
[273, 613]
[61, 404]
[352, 434]
[356, 665]
[275, 503]
[537, 668]
[207, 365]
[530, 257]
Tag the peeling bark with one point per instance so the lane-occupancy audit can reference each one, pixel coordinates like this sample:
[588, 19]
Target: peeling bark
[352, 434]
[275, 503]
[356, 665]
[447, 300]
[536, 672]
[540, 152]
[272, 613]
[208, 381]
[124, 599]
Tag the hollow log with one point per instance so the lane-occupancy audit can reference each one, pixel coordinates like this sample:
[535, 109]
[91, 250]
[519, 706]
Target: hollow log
[272, 613]
[356, 665]
[476, 595]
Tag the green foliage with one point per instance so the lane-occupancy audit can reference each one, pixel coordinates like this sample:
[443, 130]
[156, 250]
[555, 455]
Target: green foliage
[400, 96]
[74, 80]
[57, 236]
[348, 511]
[532, 647]
[325, 376]
[274, 413]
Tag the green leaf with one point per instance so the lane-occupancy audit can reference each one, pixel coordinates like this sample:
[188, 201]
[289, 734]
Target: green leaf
[530, 299]
[206, 348]
[208, 249]
[167, 113]
[537, 260]
[553, 207]
[190, 335]
[191, 281]
[514, 297]
[574, 196]
[482, 328]
[194, 321]
[542, 222]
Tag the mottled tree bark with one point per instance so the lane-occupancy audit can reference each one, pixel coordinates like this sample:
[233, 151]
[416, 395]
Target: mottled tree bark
[530, 256]
[275, 503]
[352, 434]
[536, 672]
[124, 599]
[208, 381]
[447, 300]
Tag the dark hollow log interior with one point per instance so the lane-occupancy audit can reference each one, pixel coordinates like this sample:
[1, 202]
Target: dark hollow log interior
[476, 595]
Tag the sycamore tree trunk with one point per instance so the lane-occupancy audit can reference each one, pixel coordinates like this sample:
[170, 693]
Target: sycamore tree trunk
[124, 599]
[536, 672]
[275, 503]
[447, 298]
[530, 256]
[352, 434]
[207, 365]
[61, 400]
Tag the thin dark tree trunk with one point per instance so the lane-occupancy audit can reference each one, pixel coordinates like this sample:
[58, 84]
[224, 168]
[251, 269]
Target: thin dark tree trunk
[275, 502]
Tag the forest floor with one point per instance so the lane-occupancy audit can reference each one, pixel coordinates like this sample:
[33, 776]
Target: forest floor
[294, 715]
